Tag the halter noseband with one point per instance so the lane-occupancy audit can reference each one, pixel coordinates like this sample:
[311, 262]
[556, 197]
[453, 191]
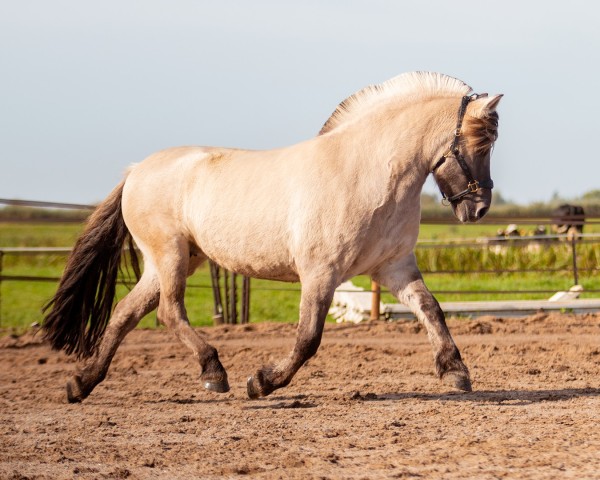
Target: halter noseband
[472, 185]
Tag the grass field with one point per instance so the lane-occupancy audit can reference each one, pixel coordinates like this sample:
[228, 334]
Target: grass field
[21, 301]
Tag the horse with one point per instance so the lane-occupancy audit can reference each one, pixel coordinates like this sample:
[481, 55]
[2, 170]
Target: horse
[319, 212]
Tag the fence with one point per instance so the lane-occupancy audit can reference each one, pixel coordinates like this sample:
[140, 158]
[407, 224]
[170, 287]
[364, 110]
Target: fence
[226, 296]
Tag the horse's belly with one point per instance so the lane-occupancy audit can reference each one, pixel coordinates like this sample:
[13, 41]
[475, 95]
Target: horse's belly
[253, 264]
[249, 251]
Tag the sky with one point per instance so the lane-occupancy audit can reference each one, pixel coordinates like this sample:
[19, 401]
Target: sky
[89, 87]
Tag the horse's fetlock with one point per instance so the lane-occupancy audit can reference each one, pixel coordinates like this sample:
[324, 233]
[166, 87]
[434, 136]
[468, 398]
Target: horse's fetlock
[77, 390]
[308, 348]
[448, 359]
[451, 369]
[209, 360]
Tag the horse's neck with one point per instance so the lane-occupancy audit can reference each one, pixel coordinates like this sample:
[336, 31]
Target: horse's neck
[400, 143]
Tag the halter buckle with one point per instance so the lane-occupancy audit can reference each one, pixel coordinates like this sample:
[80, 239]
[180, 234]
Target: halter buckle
[457, 132]
[473, 186]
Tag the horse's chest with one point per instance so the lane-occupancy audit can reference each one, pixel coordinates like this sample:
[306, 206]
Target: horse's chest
[385, 238]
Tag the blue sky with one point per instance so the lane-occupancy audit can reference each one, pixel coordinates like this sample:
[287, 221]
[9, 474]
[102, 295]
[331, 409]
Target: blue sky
[87, 88]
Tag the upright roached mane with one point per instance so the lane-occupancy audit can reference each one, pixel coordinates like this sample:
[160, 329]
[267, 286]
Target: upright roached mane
[422, 85]
[343, 203]
[480, 132]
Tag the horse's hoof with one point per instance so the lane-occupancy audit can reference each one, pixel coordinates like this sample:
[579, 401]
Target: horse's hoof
[74, 394]
[458, 380]
[217, 387]
[253, 393]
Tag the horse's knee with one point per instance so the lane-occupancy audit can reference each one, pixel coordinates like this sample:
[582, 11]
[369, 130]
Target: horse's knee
[168, 316]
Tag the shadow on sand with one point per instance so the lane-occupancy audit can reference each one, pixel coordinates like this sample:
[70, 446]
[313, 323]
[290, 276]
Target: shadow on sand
[282, 402]
[499, 397]
[507, 397]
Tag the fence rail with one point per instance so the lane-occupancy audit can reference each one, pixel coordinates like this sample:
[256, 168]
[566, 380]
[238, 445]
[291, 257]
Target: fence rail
[435, 219]
[225, 310]
[572, 242]
[41, 204]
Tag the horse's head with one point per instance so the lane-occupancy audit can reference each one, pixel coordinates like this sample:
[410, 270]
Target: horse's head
[463, 171]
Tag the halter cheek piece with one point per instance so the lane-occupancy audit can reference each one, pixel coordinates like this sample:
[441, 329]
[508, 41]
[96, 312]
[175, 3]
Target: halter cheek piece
[454, 151]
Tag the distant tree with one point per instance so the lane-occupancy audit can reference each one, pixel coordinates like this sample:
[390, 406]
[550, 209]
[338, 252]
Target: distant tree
[429, 199]
[21, 214]
[556, 198]
[591, 196]
[499, 199]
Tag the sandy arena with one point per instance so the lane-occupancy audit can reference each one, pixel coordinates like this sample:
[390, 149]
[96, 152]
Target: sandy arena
[367, 406]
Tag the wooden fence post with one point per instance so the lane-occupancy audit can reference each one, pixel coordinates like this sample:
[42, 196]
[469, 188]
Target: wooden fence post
[375, 300]
[233, 298]
[226, 304]
[215, 278]
[574, 252]
[245, 299]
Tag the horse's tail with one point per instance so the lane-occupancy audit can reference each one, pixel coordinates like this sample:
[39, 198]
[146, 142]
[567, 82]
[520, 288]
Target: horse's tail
[77, 316]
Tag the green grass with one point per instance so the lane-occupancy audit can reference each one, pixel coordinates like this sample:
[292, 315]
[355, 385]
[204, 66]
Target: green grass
[494, 286]
[476, 230]
[39, 235]
[21, 301]
[444, 232]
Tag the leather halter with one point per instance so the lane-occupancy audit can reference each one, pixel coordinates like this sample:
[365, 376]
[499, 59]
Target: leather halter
[454, 151]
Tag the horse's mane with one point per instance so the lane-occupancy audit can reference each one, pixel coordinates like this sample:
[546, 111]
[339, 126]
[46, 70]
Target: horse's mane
[421, 84]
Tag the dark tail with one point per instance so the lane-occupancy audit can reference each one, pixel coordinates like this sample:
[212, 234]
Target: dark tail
[76, 317]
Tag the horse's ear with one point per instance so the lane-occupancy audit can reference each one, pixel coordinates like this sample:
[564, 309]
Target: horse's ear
[483, 106]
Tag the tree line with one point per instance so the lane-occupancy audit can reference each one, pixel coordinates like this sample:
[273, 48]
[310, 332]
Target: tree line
[430, 207]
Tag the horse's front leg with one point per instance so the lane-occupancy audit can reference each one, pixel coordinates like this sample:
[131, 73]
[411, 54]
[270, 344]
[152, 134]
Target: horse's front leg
[405, 281]
[314, 304]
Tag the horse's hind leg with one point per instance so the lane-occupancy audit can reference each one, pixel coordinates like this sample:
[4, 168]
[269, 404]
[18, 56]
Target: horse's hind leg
[404, 280]
[174, 266]
[314, 305]
[142, 299]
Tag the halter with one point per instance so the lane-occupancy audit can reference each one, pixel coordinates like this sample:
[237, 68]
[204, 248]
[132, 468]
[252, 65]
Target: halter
[454, 151]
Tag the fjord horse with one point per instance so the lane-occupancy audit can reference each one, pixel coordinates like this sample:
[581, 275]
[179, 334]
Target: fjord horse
[343, 203]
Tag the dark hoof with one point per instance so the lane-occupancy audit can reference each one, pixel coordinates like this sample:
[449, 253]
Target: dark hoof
[217, 387]
[458, 380]
[253, 393]
[74, 390]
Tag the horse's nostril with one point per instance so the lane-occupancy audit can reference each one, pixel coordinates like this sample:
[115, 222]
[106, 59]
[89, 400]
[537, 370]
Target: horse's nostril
[481, 212]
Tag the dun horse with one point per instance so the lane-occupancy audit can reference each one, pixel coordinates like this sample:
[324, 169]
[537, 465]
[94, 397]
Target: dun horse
[344, 203]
